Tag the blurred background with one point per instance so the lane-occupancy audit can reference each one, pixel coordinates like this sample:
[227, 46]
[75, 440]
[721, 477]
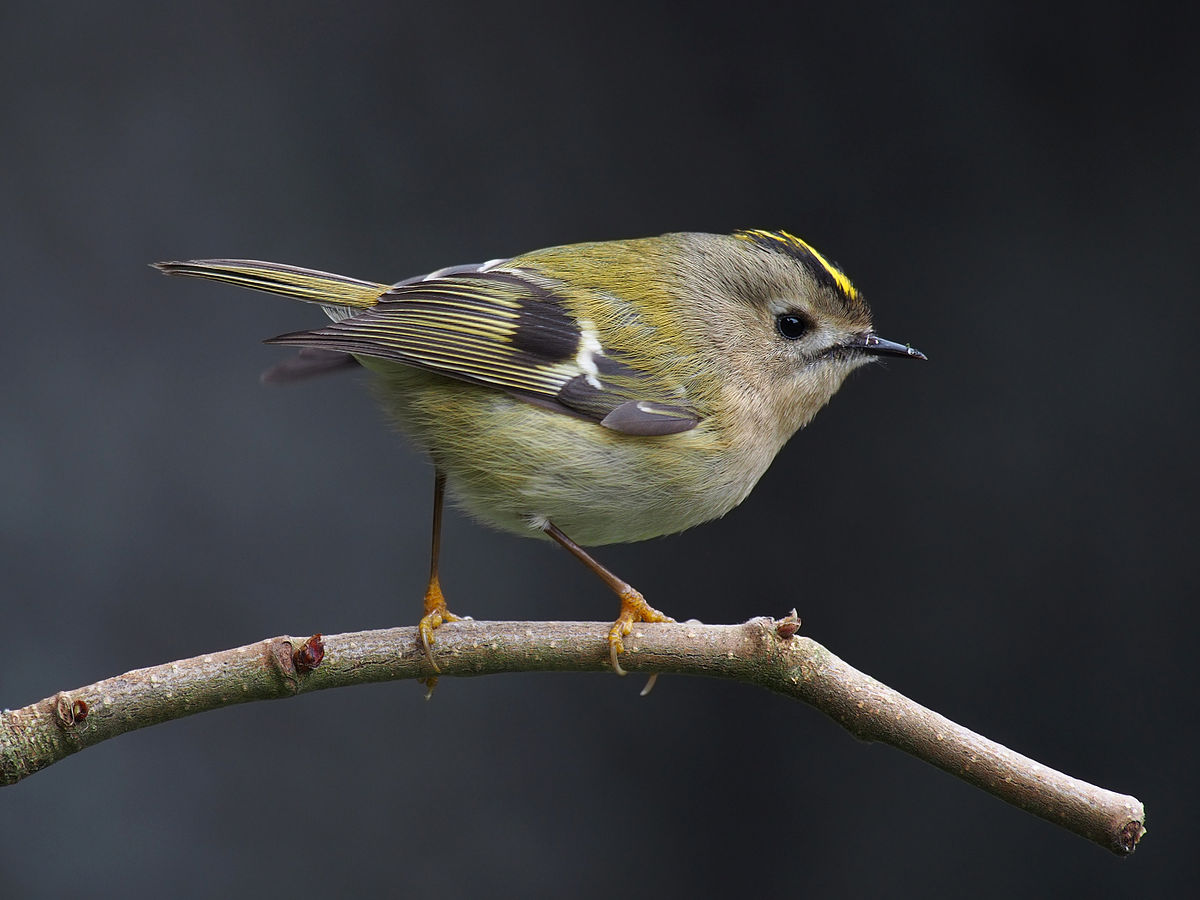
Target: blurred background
[1003, 533]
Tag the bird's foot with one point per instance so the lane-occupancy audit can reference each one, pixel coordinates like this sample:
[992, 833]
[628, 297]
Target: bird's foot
[634, 608]
[436, 614]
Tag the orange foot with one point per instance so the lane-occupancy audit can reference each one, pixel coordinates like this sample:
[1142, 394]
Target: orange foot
[634, 608]
[435, 616]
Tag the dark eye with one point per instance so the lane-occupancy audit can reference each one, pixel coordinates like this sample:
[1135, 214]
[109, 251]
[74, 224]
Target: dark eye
[791, 325]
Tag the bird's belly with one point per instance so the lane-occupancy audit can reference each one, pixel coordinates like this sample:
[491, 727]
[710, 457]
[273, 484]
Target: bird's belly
[515, 465]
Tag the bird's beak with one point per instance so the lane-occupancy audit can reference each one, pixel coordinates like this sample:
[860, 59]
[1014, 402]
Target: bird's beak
[876, 346]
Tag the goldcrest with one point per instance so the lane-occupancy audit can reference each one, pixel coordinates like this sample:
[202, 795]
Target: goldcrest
[595, 393]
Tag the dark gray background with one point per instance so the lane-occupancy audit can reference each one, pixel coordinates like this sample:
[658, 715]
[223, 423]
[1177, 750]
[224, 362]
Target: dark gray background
[1006, 533]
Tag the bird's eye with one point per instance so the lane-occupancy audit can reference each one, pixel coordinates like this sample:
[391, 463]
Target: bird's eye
[791, 325]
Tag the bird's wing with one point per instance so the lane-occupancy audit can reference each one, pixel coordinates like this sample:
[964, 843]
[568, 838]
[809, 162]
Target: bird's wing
[509, 330]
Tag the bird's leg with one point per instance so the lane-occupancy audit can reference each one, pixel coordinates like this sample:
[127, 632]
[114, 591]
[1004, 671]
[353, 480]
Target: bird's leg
[435, 604]
[634, 607]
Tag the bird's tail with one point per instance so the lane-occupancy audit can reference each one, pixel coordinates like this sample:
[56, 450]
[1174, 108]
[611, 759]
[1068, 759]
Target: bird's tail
[334, 292]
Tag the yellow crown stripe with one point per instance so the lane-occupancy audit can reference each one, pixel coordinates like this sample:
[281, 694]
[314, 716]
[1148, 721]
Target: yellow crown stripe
[834, 272]
[786, 238]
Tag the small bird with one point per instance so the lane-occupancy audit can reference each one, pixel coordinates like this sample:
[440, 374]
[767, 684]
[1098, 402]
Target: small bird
[592, 393]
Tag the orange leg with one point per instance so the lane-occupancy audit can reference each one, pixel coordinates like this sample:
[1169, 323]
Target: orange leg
[634, 607]
[435, 604]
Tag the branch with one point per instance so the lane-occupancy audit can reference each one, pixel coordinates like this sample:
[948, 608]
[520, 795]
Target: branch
[762, 651]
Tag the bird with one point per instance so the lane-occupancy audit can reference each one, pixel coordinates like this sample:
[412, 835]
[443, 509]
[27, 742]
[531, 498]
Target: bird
[590, 393]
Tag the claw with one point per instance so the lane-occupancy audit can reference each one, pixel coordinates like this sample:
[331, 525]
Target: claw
[426, 626]
[615, 646]
[435, 616]
[430, 684]
[634, 608]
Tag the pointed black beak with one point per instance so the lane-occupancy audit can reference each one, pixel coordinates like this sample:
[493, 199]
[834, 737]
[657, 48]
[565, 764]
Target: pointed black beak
[876, 346]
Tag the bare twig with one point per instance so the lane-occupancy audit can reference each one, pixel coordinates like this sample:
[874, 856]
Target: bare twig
[765, 652]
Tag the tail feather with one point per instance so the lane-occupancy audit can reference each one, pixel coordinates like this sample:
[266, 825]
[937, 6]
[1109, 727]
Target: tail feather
[325, 288]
